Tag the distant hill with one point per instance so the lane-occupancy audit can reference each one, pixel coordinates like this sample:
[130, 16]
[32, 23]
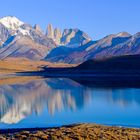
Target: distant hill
[124, 63]
[120, 65]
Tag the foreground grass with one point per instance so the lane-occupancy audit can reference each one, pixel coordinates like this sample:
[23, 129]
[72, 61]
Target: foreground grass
[77, 132]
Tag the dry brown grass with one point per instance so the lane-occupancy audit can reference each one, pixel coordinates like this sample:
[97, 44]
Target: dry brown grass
[12, 65]
[17, 79]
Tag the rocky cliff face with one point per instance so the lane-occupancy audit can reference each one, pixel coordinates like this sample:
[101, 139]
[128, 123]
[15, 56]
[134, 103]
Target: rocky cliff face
[37, 28]
[70, 37]
[54, 34]
[50, 31]
[74, 38]
[57, 35]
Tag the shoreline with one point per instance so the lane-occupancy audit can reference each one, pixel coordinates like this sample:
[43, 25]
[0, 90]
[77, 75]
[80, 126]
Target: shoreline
[15, 130]
[75, 131]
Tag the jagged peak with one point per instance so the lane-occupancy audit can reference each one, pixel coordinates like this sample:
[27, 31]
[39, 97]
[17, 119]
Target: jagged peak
[70, 30]
[123, 34]
[11, 22]
[50, 31]
[37, 28]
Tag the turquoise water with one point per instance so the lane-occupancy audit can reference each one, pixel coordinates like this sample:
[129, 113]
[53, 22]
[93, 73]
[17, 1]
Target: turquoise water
[60, 101]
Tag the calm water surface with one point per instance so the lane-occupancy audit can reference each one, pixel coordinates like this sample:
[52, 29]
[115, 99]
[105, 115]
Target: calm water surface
[60, 101]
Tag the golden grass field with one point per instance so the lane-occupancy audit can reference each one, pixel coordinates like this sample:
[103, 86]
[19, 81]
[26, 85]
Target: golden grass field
[13, 65]
[8, 79]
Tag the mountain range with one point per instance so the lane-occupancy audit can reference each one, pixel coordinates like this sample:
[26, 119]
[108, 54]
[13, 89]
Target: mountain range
[73, 46]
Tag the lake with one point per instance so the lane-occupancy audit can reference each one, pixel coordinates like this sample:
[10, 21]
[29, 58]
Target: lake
[47, 102]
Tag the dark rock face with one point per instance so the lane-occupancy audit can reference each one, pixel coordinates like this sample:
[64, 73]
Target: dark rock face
[118, 63]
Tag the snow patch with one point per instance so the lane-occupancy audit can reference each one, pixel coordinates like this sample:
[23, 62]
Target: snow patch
[24, 32]
[14, 24]
[11, 22]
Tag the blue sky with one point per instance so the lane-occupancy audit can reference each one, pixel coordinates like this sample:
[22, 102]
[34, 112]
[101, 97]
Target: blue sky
[97, 18]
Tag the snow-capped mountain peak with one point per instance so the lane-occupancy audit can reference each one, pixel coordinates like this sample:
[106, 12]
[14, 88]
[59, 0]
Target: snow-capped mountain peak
[11, 22]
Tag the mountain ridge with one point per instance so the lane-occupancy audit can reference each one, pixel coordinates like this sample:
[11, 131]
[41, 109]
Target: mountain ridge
[19, 39]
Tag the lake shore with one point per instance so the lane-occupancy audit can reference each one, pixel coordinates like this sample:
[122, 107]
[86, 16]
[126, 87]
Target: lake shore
[76, 132]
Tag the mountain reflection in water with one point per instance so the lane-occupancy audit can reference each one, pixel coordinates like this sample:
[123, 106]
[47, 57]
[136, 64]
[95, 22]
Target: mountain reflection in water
[60, 95]
[20, 100]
